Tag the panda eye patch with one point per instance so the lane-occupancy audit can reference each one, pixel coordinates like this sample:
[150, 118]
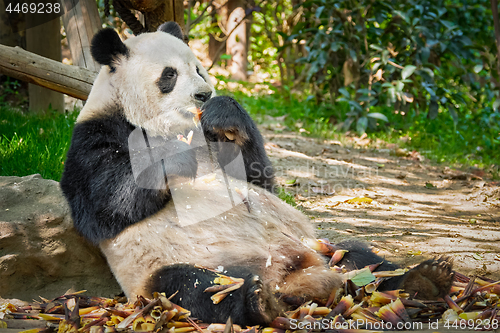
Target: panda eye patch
[198, 72]
[167, 80]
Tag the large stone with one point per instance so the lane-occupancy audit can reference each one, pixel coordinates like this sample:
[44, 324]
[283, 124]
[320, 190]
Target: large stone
[40, 252]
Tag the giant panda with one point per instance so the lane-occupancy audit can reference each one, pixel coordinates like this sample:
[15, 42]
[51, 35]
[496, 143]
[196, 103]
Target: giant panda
[206, 207]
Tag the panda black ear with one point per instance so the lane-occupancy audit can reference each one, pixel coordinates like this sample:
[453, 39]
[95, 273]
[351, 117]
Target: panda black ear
[106, 46]
[174, 29]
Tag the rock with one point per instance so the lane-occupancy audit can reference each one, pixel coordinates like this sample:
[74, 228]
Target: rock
[40, 252]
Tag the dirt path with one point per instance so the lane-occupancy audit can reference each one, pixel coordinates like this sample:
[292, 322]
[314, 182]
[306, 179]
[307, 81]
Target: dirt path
[418, 210]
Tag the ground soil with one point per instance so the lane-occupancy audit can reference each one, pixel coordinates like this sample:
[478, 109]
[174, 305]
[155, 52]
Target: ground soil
[419, 210]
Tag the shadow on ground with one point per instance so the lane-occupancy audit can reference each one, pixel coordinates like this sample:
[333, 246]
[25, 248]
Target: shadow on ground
[419, 210]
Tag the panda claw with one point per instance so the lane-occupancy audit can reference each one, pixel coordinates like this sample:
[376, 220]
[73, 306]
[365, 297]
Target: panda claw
[229, 135]
[258, 301]
[431, 279]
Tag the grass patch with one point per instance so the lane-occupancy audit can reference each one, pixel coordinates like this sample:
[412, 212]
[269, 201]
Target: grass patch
[32, 143]
[287, 197]
[474, 141]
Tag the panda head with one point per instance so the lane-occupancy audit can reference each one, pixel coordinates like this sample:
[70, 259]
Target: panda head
[154, 78]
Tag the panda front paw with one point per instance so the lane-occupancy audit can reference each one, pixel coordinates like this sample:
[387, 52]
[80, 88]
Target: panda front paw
[224, 120]
[430, 280]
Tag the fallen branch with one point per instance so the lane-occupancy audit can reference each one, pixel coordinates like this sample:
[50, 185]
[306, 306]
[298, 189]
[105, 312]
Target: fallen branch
[26, 66]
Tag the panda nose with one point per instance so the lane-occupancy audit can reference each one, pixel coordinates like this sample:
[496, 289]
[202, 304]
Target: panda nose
[203, 96]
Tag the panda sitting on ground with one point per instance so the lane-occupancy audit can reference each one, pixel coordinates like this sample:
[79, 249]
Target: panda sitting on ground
[147, 90]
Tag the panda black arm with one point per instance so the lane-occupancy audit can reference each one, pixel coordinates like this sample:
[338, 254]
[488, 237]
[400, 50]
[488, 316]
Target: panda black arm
[224, 120]
[99, 184]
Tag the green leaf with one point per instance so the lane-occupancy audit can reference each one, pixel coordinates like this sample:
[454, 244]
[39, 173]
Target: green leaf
[496, 104]
[449, 25]
[453, 114]
[335, 46]
[403, 15]
[364, 277]
[376, 47]
[353, 55]
[377, 115]
[429, 89]
[225, 56]
[385, 57]
[428, 71]
[344, 92]
[433, 110]
[376, 65]
[407, 71]
[478, 68]
[290, 181]
[399, 86]
[361, 125]
[365, 91]
[347, 124]
[476, 256]
[355, 105]
[392, 94]
[319, 10]
[425, 54]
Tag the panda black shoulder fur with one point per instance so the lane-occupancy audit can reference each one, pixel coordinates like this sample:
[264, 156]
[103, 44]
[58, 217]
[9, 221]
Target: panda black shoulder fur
[148, 84]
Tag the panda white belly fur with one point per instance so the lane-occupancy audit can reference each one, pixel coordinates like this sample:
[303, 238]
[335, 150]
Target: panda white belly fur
[268, 234]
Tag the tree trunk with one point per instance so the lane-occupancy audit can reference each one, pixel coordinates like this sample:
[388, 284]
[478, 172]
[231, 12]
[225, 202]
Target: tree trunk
[10, 25]
[213, 49]
[236, 44]
[214, 45]
[157, 12]
[494, 10]
[44, 39]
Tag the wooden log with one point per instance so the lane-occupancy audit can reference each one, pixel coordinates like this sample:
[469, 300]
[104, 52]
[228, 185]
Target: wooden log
[23, 65]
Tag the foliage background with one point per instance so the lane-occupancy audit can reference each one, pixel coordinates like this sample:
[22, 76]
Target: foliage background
[426, 71]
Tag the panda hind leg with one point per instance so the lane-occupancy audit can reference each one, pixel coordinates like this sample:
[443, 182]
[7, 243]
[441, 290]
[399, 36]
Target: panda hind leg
[429, 280]
[251, 304]
[360, 255]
